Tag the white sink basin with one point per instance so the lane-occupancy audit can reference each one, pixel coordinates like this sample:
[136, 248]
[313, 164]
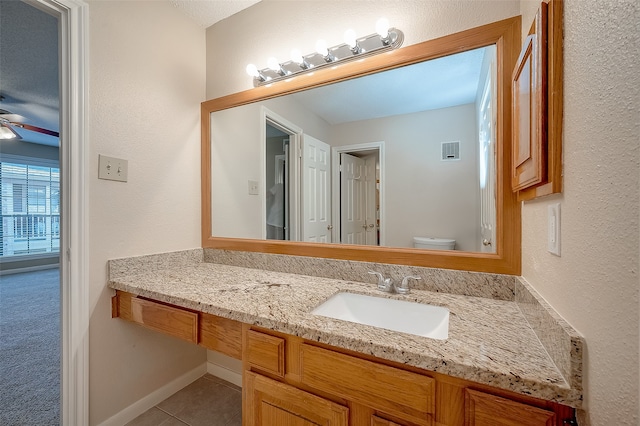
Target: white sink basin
[397, 315]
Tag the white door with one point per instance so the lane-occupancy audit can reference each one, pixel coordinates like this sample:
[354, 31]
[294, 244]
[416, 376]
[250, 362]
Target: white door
[352, 200]
[316, 197]
[487, 170]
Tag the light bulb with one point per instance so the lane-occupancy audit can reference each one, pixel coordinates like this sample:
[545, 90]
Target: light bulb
[6, 132]
[273, 63]
[296, 56]
[252, 70]
[382, 27]
[321, 47]
[350, 38]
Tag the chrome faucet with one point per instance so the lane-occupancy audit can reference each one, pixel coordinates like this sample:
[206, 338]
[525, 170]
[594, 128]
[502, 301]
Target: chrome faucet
[404, 287]
[385, 284]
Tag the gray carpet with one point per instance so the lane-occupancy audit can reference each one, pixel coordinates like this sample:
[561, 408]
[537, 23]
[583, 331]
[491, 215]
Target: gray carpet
[30, 348]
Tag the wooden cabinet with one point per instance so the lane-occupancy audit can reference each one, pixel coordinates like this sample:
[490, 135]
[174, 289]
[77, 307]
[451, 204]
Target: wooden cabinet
[289, 381]
[212, 332]
[220, 334]
[378, 421]
[167, 319]
[483, 409]
[266, 402]
[390, 390]
[265, 352]
[536, 168]
[529, 84]
[376, 392]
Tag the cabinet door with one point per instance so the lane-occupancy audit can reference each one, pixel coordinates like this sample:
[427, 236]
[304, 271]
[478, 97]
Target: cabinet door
[272, 415]
[270, 403]
[398, 393]
[378, 421]
[529, 91]
[482, 409]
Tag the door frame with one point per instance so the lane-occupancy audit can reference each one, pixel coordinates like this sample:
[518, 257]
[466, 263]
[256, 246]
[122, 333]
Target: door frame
[73, 19]
[335, 183]
[295, 136]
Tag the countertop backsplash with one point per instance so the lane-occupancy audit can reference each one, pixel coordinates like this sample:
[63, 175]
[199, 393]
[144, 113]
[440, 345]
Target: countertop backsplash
[465, 283]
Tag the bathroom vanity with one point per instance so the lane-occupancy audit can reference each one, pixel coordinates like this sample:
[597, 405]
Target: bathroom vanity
[301, 368]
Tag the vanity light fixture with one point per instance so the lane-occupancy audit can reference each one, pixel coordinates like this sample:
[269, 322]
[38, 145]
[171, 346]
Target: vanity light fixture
[353, 48]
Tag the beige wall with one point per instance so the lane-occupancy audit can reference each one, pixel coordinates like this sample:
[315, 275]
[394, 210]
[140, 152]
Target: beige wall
[146, 80]
[594, 284]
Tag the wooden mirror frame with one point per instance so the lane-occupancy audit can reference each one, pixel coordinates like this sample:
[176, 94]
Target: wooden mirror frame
[506, 36]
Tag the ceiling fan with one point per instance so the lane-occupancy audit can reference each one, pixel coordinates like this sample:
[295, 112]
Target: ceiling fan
[9, 121]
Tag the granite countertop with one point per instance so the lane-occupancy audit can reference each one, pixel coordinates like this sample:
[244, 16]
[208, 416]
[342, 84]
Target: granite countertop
[489, 341]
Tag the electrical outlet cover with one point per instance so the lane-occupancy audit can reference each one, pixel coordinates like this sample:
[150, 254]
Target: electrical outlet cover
[553, 224]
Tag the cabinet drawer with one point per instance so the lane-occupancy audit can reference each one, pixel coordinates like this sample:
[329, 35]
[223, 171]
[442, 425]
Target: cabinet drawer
[265, 352]
[166, 319]
[400, 393]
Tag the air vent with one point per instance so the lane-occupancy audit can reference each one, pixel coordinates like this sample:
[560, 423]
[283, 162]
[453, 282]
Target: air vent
[450, 151]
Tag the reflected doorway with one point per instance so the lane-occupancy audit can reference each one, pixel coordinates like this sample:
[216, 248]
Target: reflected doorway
[277, 182]
[358, 185]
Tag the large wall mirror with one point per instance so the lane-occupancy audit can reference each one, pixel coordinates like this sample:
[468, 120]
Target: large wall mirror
[400, 158]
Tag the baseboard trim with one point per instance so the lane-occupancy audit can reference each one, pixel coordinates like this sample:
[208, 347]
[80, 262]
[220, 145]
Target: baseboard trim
[155, 397]
[29, 269]
[224, 373]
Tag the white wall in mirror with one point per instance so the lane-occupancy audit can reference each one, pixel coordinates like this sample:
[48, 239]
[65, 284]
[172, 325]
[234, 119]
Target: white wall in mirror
[424, 195]
[236, 159]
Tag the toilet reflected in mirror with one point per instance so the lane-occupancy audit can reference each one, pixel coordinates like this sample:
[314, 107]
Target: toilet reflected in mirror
[431, 243]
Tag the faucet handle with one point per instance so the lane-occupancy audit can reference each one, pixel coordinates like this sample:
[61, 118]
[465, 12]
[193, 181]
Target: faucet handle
[404, 287]
[383, 283]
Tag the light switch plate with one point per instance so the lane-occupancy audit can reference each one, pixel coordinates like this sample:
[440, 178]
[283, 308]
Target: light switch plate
[111, 168]
[553, 238]
[253, 187]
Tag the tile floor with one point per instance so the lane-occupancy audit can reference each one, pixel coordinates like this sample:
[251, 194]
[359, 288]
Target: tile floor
[208, 401]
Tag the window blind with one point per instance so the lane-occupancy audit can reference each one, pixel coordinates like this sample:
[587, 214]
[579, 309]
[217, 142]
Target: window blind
[30, 207]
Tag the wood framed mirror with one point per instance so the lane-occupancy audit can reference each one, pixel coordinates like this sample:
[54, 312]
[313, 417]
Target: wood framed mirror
[506, 255]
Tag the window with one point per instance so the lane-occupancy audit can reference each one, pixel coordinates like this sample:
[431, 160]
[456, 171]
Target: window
[30, 207]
